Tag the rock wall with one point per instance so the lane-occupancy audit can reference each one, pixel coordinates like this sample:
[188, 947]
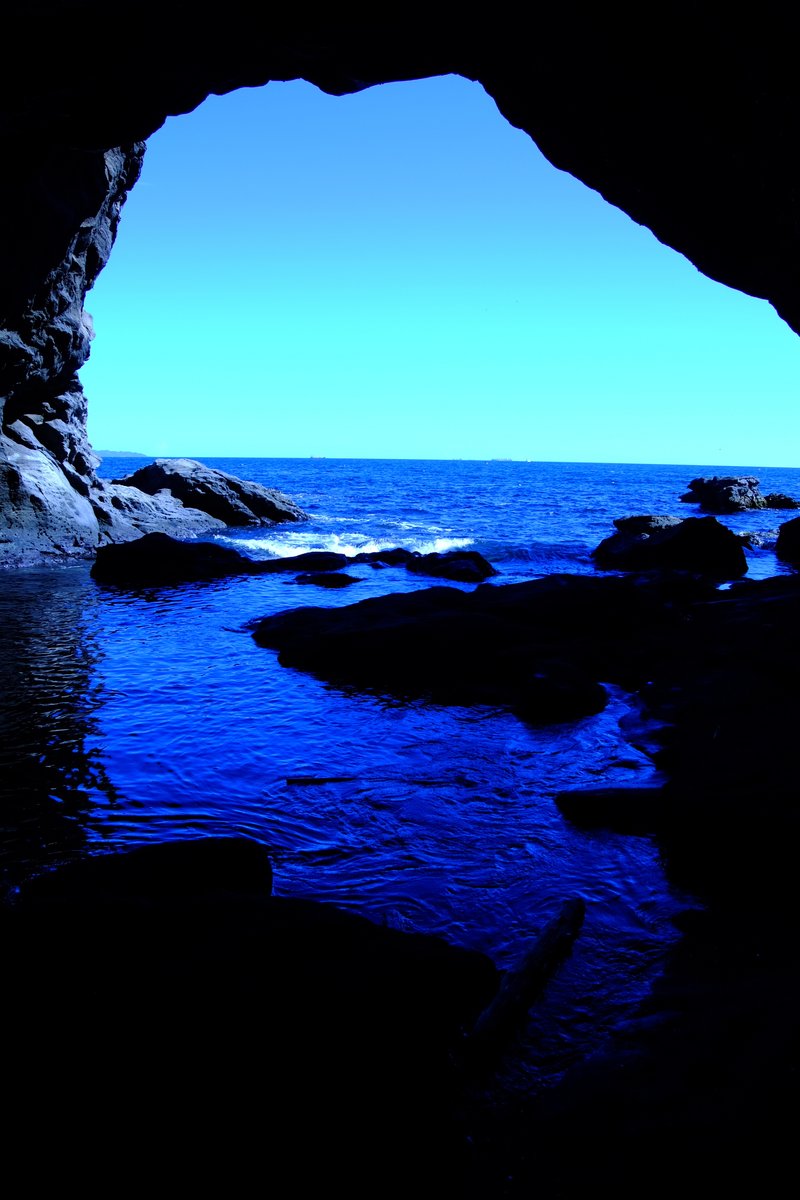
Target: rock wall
[687, 123]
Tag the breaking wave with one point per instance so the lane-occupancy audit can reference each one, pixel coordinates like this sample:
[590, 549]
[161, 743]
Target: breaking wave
[292, 543]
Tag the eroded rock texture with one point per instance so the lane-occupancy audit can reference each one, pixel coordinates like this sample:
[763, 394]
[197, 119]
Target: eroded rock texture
[689, 130]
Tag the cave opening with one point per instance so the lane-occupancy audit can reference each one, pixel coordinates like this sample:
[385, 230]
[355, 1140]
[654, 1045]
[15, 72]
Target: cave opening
[400, 273]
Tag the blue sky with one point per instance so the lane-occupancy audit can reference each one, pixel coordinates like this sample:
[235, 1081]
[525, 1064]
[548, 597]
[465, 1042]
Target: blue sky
[401, 274]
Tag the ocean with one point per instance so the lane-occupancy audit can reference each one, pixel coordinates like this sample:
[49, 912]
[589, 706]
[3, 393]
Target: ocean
[137, 717]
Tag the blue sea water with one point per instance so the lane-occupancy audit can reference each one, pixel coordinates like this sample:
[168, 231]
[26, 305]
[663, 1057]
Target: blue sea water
[134, 717]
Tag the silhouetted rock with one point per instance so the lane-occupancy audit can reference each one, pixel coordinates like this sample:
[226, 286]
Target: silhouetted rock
[169, 977]
[232, 500]
[787, 545]
[733, 493]
[312, 560]
[156, 558]
[540, 648]
[387, 558]
[162, 871]
[326, 579]
[632, 810]
[463, 566]
[698, 544]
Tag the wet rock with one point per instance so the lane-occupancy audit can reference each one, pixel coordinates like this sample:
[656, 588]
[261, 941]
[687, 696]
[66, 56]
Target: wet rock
[787, 545]
[232, 500]
[649, 523]
[387, 558]
[156, 559]
[314, 561]
[540, 648]
[560, 693]
[633, 810]
[326, 579]
[697, 544]
[206, 866]
[463, 566]
[733, 493]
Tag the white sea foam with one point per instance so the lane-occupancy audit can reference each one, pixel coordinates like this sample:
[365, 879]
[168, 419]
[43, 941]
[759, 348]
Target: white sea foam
[289, 545]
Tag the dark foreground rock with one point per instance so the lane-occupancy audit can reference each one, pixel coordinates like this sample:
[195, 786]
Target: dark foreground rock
[330, 579]
[167, 991]
[787, 545]
[698, 544]
[542, 648]
[734, 493]
[228, 499]
[463, 566]
[157, 559]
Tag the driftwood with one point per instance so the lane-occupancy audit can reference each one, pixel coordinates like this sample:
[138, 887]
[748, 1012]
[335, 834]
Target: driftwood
[506, 1013]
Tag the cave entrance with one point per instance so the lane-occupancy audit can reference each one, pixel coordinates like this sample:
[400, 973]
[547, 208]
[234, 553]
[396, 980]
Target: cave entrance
[401, 273]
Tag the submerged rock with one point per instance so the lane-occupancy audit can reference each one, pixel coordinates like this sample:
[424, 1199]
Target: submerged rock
[232, 500]
[733, 493]
[698, 544]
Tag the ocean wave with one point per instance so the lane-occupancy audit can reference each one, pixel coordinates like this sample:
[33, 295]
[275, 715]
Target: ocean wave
[289, 545]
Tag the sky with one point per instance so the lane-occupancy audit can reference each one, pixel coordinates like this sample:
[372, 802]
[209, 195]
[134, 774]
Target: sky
[400, 273]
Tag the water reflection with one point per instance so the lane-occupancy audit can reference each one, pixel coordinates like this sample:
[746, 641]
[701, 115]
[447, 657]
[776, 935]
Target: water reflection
[49, 696]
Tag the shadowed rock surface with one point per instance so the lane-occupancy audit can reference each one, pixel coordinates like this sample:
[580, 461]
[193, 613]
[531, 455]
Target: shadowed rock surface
[697, 544]
[324, 579]
[787, 546]
[636, 118]
[463, 566]
[541, 648]
[157, 559]
[734, 493]
[233, 1030]
[701, 1080]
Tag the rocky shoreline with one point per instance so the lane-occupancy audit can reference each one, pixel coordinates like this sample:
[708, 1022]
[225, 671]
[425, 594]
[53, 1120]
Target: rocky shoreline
[178, 497]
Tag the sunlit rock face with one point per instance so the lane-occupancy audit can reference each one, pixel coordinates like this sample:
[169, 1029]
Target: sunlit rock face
[688, 125]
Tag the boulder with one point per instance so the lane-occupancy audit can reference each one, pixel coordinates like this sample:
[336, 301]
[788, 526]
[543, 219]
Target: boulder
[125, 513]
[156, 559]
[463, 566]
[787, 546]
[733, 493]
[232, 500]
[698, 544]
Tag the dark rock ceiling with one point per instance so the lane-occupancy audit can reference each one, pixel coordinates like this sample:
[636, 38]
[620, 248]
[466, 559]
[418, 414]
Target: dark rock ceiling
[685, 121]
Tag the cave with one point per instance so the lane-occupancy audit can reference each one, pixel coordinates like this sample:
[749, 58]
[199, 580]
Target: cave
[686, 138]
[687, 127]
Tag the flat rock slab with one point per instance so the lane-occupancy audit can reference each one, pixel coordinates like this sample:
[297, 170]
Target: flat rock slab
[542, 648]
